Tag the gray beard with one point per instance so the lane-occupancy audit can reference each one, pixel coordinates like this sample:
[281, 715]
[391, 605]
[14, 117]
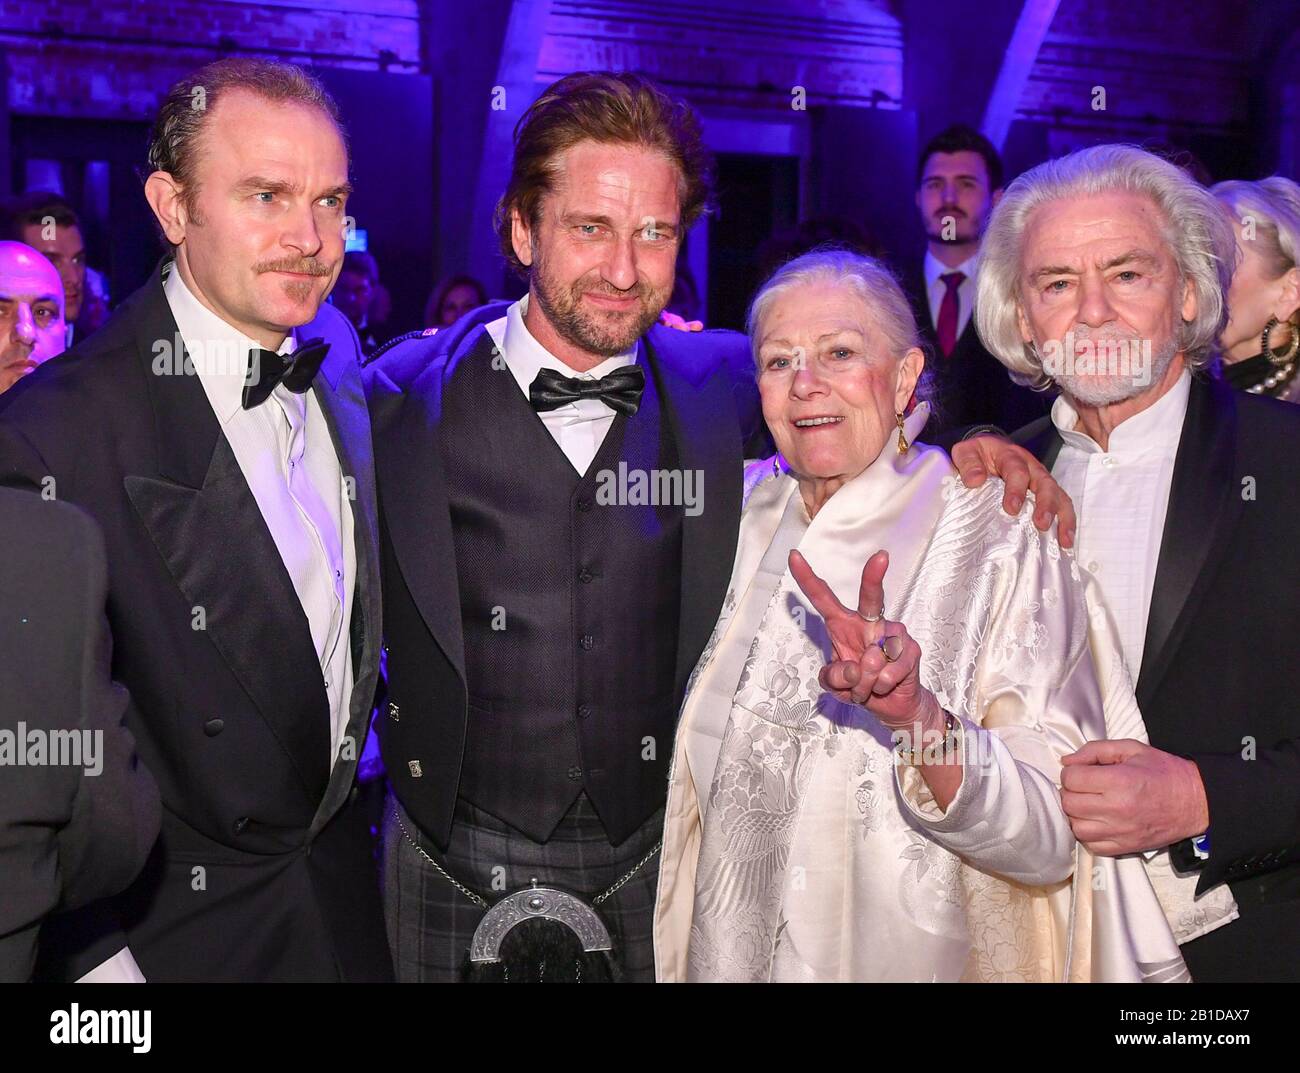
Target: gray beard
[1106, 391]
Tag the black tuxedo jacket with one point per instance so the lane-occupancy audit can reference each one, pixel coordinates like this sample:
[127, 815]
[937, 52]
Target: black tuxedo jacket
[969, 386]
[1220, 678]
[68, 834]
[711, 404]
[264, 869]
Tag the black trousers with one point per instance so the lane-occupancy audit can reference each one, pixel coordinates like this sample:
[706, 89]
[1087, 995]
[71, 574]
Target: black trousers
[431, 923]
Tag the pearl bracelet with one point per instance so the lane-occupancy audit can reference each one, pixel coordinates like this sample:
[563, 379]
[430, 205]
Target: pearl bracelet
[918, 754]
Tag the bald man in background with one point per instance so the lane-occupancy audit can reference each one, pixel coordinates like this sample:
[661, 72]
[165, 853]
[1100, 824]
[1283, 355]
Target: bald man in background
[48, 223]
[32, 326]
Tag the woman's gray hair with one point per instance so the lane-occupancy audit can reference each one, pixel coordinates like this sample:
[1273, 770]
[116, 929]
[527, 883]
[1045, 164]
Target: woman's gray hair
[1195, 228]
[1272, 207]
[868, 278]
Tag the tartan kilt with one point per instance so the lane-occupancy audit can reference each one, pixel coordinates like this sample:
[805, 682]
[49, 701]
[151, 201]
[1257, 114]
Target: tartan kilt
[430, 922]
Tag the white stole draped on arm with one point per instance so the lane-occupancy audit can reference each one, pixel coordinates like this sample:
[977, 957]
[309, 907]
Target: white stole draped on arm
[791, 849]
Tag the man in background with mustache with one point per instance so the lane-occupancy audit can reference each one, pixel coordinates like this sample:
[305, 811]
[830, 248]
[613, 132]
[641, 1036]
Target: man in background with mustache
[47, 223]
[217, 431]
[959, 180]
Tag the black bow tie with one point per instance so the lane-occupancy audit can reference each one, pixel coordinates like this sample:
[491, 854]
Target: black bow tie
[620, 390]
[295, 371]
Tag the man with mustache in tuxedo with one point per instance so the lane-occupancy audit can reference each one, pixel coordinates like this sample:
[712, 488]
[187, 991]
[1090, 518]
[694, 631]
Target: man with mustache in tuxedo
[216, 430]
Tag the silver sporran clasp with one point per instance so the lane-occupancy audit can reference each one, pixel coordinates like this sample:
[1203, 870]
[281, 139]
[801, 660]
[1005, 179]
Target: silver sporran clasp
[537, 903]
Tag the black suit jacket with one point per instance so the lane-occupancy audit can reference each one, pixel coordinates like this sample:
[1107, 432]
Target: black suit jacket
[68, 834]
[712, 407]
[1220, 679]
[264, 866]
[969, 386]
[398, 365]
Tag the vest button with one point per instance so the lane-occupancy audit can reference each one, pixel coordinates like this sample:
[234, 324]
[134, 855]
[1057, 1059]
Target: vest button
[213, 727]
[584, 505]
[586, 577]
[575, 773]
[587, 642]
[584, 711]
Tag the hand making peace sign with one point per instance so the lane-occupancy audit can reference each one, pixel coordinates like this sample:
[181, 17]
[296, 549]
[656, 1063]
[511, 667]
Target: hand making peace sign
[876, 661]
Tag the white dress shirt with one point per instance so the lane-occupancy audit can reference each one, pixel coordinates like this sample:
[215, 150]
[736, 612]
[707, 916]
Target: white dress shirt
[1121, 496]
[935, 288]
[286, 454]
[578, 428]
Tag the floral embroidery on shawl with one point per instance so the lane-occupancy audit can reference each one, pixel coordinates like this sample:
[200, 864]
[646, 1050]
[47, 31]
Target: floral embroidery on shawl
[777, 735]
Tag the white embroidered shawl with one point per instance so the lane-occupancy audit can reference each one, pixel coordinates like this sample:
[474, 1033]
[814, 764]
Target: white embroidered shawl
[793, 851]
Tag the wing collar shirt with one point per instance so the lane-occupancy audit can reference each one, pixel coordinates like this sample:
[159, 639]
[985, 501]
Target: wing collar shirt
[287, 455]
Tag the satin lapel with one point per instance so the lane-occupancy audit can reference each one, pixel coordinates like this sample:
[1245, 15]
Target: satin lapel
[708, 440]
[222, 558]
[338, 390]
[1204, 505]
[413, 490]
[206, 525]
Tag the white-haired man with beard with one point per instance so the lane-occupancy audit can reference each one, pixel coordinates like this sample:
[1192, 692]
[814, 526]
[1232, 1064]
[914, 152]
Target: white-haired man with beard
[1105, 272]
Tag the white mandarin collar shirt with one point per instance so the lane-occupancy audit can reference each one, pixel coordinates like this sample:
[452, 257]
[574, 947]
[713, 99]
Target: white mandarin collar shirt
[935, 288]
[286, 453]
[1121, 495]
[579, 428]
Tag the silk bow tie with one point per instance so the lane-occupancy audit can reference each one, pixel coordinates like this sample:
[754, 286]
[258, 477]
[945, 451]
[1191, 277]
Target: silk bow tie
[295, 371]
[620, 390]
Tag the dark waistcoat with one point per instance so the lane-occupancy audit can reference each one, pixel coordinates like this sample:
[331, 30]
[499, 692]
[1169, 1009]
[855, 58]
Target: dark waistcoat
[570, 593]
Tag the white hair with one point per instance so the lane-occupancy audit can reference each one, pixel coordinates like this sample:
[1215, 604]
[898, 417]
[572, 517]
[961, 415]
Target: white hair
[868, 278]
[1195, 229]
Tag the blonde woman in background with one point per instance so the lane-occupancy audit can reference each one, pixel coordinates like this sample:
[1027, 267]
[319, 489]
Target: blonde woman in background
[1260, 346]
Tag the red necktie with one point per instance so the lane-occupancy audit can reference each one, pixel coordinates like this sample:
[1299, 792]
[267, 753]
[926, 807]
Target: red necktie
[946, 329]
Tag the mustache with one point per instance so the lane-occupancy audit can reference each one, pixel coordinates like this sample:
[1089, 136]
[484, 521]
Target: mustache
[608, 291]
[1108, 331]
[307, 266]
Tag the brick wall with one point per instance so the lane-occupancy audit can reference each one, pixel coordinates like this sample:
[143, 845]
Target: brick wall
[735, 52]
[112, 59]
[1168, 71]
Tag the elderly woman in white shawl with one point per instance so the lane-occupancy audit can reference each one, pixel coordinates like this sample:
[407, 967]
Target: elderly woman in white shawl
[865, 776]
